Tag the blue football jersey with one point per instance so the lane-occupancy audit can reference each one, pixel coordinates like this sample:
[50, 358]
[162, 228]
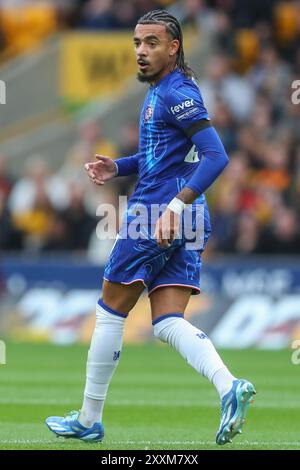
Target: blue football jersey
[172, 114]
[167, 156]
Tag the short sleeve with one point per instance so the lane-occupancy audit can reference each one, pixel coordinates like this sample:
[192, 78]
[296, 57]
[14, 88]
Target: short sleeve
[184, 108]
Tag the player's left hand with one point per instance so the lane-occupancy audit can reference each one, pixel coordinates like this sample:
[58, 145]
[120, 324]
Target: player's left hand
[167, 228]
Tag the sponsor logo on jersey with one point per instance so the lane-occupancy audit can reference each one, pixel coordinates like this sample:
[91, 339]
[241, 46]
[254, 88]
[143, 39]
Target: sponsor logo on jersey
[181, 107]
[187, 114]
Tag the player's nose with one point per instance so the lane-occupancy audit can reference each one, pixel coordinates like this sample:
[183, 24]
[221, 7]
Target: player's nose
[141, 56]
[142, 59]
[141, 51]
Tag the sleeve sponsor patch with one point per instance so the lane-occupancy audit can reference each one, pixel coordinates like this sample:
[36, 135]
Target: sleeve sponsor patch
[191, 112]
[184, 110]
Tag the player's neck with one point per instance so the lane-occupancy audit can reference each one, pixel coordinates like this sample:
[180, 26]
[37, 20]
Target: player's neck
[163, 74]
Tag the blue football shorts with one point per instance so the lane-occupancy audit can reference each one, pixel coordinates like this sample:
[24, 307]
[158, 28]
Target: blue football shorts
[139, 258]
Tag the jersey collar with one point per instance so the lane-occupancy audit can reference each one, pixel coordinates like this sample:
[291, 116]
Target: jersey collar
[164, 79]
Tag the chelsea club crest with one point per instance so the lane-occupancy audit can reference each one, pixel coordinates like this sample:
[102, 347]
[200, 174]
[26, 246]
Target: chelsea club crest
[148, 113]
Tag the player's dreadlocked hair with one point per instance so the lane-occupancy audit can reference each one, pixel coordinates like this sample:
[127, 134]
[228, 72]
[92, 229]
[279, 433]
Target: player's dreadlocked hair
[174, 29]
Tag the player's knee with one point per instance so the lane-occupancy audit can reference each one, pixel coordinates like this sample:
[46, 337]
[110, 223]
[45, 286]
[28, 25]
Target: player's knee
[104, 317]
[121, 298]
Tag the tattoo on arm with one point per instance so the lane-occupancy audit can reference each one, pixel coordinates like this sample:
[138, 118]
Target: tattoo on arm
[187, 195]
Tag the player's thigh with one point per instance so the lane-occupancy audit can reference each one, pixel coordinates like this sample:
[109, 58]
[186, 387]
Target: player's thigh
[121, 297]
[169, 299]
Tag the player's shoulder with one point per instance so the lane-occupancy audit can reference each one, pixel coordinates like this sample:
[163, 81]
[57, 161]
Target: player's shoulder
[181, 83]
[183, 101]
[182, 87]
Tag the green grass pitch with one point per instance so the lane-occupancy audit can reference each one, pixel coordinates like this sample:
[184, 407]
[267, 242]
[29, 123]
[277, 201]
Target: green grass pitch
[155, 400]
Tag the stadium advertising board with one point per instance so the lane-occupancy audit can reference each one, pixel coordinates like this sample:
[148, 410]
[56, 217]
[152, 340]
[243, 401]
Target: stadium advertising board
[95, 64]
[243, 304]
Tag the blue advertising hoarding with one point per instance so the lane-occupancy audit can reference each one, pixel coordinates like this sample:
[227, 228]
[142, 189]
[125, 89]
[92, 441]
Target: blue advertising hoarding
[245, 302]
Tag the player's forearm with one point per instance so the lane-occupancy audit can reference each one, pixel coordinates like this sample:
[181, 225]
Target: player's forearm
[214, 160]
[127, 165]
[187, 196]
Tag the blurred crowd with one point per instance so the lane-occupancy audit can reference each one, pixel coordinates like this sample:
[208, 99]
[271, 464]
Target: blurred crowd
[24, 24]
[248, 91]
[247, 88]
[46, 211]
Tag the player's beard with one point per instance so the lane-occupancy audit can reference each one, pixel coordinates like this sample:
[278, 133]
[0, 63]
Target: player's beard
[144, 78]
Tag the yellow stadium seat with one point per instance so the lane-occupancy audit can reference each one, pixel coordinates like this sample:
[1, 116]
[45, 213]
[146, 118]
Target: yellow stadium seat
[286, 22]
[25, 27]
[247, 47]
[166, 3]
[41, 20]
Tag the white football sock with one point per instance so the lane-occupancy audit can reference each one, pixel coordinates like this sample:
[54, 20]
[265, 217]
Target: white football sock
[103, 358]
[222, 380]
[195, 347]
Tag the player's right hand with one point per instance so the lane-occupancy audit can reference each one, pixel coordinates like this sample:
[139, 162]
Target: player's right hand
[101, 171]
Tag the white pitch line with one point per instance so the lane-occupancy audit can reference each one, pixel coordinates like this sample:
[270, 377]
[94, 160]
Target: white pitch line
[203, 443]
[25, 441]
[154, 443]
[140, 403]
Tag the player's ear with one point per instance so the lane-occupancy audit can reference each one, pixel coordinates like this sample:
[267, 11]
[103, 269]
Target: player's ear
[174, 47]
